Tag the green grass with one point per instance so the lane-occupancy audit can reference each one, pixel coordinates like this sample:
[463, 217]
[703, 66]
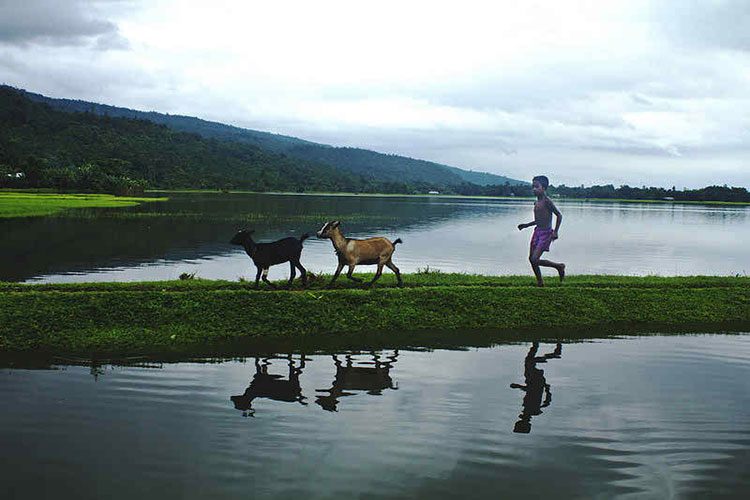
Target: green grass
[133, 318]
[420, 279]
[35, 204]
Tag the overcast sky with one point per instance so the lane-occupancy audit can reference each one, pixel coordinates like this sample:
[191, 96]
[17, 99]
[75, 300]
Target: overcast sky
[636, 92]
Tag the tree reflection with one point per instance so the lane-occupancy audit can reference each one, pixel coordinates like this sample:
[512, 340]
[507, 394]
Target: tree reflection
[271, 386]
[353, 376]
[536, 387]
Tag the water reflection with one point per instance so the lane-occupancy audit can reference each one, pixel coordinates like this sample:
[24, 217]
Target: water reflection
[536, 387]
[370, 376]
[637, 419]
[271, 386]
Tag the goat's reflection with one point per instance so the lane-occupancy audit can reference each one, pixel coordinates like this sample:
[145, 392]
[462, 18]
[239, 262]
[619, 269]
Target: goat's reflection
[373, 377]
[536, 387]
[270, 386]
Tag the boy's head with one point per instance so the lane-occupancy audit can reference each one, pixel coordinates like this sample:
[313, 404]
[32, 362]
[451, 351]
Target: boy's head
[539, 184]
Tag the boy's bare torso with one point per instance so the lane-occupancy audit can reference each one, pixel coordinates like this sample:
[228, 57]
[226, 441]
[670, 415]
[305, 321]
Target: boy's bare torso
[543, 213]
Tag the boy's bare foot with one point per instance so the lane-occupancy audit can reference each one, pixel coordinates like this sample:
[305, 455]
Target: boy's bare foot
[540, 284]
[561, 272]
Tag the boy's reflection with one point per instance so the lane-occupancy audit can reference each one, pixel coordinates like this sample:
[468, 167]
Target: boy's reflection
[265, 385]
[372, 379]
[536, 387]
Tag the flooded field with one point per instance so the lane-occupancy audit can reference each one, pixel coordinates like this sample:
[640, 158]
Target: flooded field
[190, 233]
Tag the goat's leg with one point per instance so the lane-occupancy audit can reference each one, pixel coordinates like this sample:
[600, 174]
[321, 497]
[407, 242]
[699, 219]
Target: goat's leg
[265, 279]
[349, 274]
[292, 274]
[336, 274]
[257, 276]
[302, 270]
[393, 268]
[377, 274]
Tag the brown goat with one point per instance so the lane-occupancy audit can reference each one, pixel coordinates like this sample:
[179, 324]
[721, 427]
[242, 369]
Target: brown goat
[355, 377]
[367, 252]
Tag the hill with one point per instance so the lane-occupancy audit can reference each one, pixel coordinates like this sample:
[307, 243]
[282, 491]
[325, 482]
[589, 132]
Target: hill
[65, 150]
[383, 167]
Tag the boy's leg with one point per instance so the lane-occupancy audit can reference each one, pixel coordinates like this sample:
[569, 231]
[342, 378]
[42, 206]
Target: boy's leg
[557, 265]
[534, 254]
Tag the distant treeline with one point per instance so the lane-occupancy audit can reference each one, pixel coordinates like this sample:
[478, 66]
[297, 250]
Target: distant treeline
[710, 193]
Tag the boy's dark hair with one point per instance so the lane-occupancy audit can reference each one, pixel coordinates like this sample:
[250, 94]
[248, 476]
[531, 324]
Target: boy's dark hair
[541, 179]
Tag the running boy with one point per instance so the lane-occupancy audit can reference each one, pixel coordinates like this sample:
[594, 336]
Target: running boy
[543, 232]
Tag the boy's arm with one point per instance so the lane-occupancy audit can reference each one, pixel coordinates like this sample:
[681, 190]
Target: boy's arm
[555, 211]
[528, 224]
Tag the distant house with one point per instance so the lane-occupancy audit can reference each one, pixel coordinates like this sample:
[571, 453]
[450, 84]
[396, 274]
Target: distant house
[16, 175]
[433, 192]
[668, 198]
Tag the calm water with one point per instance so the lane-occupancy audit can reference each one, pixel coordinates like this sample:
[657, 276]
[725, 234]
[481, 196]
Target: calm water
[643, 417]
[190, 233]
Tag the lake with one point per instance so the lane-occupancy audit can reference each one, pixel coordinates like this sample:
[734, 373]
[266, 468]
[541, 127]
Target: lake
[631, 417]
[190, 233]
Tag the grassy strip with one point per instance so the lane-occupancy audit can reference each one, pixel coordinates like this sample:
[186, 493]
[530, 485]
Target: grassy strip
[425, 278]
[171, 316]
[34, 204]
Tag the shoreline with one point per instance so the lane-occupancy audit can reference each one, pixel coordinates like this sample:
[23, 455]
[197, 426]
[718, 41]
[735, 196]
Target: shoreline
[449, 196]
[46, 202]
[211, 316]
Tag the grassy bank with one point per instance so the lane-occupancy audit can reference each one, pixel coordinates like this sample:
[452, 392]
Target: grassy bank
[132, 318]
[37, 203]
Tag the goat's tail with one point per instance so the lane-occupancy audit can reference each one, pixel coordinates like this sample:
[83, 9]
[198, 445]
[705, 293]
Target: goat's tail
[398, 240]
[304, 237]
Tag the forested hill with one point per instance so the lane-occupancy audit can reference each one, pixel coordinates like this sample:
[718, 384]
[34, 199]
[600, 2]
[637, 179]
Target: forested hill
[44, 147]
[378, 166]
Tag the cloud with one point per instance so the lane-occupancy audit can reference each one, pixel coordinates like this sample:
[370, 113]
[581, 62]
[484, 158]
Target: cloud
[59, 23]
[631, 91]
[715, 24]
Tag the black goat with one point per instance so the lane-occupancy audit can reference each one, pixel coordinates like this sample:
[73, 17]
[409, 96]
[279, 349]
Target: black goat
[265, 255]
[275, 387]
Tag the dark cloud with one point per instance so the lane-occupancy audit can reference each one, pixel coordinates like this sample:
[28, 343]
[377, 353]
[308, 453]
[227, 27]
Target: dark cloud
[58, 23]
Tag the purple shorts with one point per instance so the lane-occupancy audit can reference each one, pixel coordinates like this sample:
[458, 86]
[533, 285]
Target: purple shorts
[541, 239]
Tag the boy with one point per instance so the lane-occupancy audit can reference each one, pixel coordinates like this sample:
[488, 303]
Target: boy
[543, 232]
